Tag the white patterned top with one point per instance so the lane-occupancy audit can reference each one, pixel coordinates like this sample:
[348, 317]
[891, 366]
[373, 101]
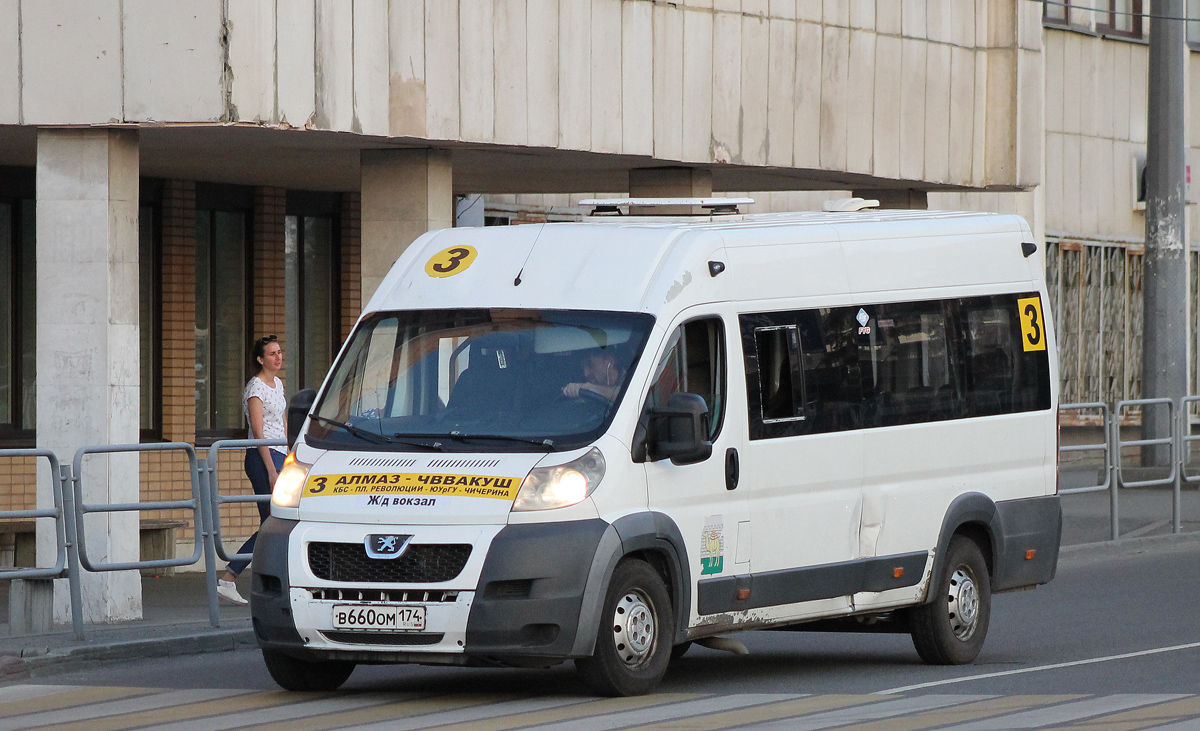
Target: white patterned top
[274, 403]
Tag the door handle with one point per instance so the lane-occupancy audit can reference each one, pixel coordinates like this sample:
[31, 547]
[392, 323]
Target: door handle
[732, 469]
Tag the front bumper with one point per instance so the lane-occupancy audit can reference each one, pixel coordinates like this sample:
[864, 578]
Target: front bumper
[517, 600]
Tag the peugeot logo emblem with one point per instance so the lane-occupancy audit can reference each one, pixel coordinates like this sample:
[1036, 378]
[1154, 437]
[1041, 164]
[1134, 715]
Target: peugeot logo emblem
[386, 545]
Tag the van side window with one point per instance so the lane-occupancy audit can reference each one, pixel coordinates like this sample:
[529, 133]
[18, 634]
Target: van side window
[781, 385]
[1001, 377]
[694, 363]
[905, 359]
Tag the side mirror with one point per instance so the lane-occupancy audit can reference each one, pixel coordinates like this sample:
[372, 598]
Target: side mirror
[679, 430]
[298, 408]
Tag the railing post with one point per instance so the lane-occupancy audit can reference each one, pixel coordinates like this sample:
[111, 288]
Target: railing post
[67, 480]
[1114, 435]
[204, 470]
[1177, 448]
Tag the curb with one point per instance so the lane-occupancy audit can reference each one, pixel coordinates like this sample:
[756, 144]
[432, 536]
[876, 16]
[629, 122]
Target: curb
[62, 660]
[1129, 546]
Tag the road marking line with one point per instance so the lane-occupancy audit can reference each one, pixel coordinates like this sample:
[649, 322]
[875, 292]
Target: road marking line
[214, 707]
[26, 692]
[1039, 668]
[506, 708]
[960, 714]
[674, 711]
[1067, 712]
[759, 714]
[333, 718]
[871, 712]
[122, 707]
[1153, 717]
[308, 704]
[74, 696]
[577, 711]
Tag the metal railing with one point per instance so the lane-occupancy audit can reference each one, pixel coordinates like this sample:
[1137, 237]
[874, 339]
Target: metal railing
[1105, 447]
[215, 548]
[66, 563]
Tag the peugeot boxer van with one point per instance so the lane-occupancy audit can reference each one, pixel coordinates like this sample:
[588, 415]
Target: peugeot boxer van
[603, 441]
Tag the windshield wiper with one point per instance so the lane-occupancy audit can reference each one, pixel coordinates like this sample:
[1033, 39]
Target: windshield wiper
[459, 437]
[370, 436]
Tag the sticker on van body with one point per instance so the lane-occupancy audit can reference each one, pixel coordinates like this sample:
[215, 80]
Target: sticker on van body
[1033, 328]
[412, 483]
[448, 262]
[712, 545]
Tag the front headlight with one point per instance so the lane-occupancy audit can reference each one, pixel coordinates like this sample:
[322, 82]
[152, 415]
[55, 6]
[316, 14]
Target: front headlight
[561, 485]
[290, 483]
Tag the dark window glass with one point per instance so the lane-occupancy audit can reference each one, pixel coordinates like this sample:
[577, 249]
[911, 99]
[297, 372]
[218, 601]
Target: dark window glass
[830, 366]
[694, 363]
[906, 366]
[1001, 376]
[8, 366]
[222, 332]
[781, 396]
[311, 298]
[18, 326]
[149, 325]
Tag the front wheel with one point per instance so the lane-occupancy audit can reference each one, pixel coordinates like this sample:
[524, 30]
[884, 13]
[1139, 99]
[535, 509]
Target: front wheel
[637, 627]
[292, 673]
[950, 629]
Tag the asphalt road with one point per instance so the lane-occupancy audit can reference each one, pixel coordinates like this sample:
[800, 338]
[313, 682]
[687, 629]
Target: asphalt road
[1146, 606]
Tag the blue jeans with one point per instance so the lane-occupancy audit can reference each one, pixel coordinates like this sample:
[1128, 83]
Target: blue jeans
[261, 481]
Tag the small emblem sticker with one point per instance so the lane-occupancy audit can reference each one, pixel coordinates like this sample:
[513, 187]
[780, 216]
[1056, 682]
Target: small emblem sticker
[862, 317]
[712, 545]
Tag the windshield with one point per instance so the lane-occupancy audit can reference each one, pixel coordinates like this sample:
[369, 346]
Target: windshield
[479, 380]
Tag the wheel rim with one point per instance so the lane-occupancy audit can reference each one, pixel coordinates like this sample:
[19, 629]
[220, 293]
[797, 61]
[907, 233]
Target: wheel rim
[634, 628]
[963, 603]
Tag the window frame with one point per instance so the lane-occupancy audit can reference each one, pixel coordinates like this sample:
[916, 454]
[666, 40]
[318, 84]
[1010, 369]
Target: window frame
[17, 190]
[210, 200]
[796, 379]
[1109, 27]
[151, 198]
[305, 204]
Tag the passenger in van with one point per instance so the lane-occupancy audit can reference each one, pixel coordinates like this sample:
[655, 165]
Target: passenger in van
[601, 376]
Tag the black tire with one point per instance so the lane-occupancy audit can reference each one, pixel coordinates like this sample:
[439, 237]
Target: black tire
[637, 627]
[950, 630]
[292, 673]
[680, 650]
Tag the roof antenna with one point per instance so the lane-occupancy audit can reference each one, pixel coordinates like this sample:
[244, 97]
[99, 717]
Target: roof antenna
[517, 281]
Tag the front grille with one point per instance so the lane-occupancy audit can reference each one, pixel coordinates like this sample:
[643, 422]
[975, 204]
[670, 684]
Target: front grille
[385, 595]
[429, 563]
[396, 639]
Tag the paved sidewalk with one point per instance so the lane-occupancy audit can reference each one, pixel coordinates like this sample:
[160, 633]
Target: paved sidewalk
[176, 608]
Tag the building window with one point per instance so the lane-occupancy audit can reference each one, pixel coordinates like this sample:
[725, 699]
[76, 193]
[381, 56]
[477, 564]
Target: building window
[1122, 18]
[222, 311]
[18, 326]
[150, 310]
[311, 287]
[1056, 12]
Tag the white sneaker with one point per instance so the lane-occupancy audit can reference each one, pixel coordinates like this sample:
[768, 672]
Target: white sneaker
[227, 590]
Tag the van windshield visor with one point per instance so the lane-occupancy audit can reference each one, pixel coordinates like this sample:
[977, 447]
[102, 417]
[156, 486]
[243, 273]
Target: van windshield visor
[479, 380]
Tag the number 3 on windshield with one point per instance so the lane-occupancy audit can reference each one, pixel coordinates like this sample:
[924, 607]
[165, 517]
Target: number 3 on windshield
[1033, 328]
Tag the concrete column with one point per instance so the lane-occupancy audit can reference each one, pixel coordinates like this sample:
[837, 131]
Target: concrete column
[669, 182]
[87, 346]
[404, 194]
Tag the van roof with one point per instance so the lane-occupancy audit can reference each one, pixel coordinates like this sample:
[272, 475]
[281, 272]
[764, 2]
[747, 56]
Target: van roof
[660, 264]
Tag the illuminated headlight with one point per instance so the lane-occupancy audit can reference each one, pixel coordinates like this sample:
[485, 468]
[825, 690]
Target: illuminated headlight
[290, 483]
[561, 485]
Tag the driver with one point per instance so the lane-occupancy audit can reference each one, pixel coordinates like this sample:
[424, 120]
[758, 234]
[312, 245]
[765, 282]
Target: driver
[601, 376]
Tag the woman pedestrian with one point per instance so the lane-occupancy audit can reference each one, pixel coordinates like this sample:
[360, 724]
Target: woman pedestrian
[265, 407]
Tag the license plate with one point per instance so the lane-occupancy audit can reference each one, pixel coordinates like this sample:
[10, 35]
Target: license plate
[367, 616]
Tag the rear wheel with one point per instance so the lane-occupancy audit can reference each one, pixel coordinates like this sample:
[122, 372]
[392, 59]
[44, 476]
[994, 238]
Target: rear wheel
[292, 673]
[950, 630]
[637, 626]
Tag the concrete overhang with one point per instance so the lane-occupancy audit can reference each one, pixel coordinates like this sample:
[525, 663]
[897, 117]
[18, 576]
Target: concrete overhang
[302, 159]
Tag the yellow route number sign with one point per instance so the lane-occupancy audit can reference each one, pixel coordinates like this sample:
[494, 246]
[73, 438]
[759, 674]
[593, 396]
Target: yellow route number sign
[448, 262]
[1033, 327]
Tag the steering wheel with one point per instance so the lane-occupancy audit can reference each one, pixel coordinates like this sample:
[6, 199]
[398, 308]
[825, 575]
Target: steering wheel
[588, 394]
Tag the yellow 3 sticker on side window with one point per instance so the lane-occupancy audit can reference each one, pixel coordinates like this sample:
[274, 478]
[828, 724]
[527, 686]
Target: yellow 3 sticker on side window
[1033, 327]
[448, 262]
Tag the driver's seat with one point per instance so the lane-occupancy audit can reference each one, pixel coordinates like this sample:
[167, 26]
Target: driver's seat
[489, 384]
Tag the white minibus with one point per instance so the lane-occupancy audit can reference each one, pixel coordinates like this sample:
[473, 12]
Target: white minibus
[604, 441]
